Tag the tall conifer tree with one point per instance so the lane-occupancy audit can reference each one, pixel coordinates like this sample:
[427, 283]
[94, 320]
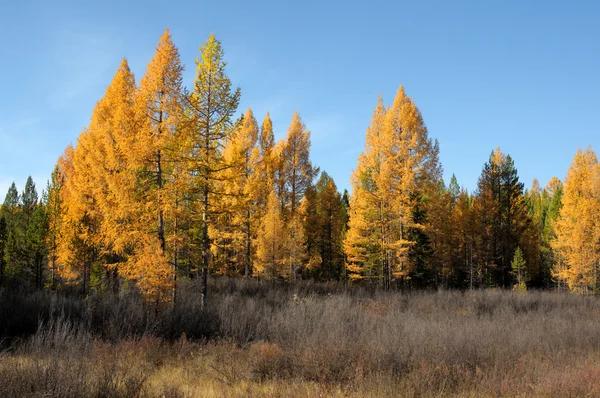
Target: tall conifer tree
[211, 106]
[397, 167]
[297, 174]
[156, 158]
[578, 227]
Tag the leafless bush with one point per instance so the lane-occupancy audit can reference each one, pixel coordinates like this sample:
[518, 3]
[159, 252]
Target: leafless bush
[249, 332]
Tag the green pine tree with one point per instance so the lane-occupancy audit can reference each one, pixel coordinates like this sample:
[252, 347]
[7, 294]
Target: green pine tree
[35, 243]
[3, 242]
[10, 212]
[454, 188]
[31, 226]
[519, 272]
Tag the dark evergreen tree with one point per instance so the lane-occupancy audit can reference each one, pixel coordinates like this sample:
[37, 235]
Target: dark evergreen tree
[11, 200]
[454, 188]
[502, 217]
[544, 207]
[312, 232]
[420, 252]
[29, 199]
[26, 232]
[345, 217]
[331, 225]
[35, 240]
[488, 216]
[3, 242]
[514, 218]
[10, 212]
[323, 229]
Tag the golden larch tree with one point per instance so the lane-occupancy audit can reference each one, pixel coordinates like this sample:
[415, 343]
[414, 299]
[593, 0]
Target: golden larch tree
[66, 264]
[393, 172]
[267, 167]
[156, 165]
[79, 244]
[242, 187]
[211, 106]
[113, 124]
[296, 175]
[271, 246]
[578, 226]
[96, 184]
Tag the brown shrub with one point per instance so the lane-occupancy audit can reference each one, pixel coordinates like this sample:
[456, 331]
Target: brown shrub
[254, 339]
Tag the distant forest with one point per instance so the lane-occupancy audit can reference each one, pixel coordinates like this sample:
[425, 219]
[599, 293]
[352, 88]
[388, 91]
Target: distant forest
[166, 185]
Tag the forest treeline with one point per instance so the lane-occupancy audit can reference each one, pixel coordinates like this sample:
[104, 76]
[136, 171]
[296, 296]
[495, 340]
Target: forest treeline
[165, 184]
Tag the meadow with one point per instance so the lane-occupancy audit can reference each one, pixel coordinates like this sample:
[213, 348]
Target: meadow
[263, 339]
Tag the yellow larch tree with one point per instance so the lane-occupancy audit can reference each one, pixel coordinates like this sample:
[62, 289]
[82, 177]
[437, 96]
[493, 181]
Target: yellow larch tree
[96, 184]
[67, 265]
[242, 188]
[80, 244]
[363, 239]
[440, 230]
[578, 226]
[266, 168]
[156, 164]
[113, 123]
[210, 108]
[271, 245]
[393, 173]
[297, 174]
[279, 182]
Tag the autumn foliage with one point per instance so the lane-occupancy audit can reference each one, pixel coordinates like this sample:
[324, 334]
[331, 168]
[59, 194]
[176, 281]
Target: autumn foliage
[167, 184]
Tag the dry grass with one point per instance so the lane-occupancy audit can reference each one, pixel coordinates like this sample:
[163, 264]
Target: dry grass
[311, 341]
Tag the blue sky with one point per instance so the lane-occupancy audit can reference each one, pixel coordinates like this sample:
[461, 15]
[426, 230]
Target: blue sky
[522, 75]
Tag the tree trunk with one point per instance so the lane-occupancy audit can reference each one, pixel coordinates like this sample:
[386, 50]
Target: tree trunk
[205, 248]
[248, 245]
[161, 221]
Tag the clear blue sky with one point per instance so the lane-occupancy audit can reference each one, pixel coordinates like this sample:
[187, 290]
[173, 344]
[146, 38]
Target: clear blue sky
[522, 75]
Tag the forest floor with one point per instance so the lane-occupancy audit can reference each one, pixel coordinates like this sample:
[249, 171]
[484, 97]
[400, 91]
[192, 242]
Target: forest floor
[255, 340]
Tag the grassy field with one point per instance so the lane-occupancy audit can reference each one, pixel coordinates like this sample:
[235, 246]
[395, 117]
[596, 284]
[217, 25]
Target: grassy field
[309, 340]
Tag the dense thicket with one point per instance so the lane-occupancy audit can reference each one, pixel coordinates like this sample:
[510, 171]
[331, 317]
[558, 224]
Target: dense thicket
[307, 339]
[165, 185]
